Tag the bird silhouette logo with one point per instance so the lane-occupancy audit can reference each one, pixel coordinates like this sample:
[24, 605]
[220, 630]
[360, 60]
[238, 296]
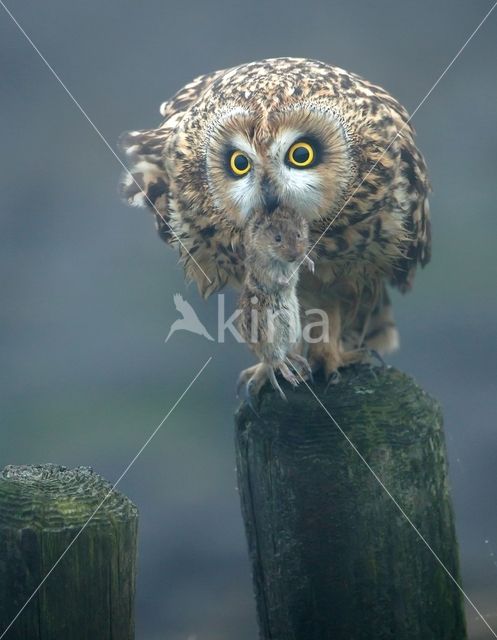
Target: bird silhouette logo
[189, 322]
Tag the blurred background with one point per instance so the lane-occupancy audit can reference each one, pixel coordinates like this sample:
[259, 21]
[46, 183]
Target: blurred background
[87, 285]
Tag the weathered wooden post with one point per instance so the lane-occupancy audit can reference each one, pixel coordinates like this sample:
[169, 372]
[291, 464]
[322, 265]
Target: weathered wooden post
[333, 557]
[89, 595]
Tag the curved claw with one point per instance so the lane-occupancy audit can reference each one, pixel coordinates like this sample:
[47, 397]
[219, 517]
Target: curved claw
[244, 378]
[375, 355]
[250, 396]
[246, 393]
[251, 381]
[274, 382]
[297, 358]
[305, 364]
[288, 374]
[239, 384]
[333, 379]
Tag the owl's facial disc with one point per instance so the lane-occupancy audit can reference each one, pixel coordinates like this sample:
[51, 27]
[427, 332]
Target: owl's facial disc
[299, 159]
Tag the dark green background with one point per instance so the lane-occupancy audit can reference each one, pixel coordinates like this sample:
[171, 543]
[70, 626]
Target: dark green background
[87, 287]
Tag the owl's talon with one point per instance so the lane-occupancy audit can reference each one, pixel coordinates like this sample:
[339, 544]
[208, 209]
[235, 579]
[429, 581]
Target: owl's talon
[244, 379]
[375, 355]
[301, 367]
[251, 381]
[239, 386]
[251, 396]
[305, 364]
[289, 375]
[333, 378]
[274, 382]
[248, 395]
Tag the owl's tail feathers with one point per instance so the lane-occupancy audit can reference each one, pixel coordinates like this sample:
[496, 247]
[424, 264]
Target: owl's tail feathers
[144, 184]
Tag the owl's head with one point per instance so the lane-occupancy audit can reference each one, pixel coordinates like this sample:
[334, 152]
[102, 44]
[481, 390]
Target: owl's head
[298, 157]
[269, 134]
[283, 134]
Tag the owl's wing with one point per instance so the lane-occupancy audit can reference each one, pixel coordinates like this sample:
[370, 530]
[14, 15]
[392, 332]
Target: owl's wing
[411, 193]
[145, 184]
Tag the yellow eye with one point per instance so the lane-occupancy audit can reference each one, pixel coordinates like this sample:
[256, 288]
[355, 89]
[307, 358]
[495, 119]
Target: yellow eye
[301, 154]
[239, 163]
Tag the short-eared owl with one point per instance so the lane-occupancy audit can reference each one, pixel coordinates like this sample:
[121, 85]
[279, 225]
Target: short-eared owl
[316, 139]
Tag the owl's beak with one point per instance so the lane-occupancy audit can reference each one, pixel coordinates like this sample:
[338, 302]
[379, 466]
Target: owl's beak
[269, 196]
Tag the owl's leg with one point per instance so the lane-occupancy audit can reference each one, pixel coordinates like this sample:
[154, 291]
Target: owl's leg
[380, 333]
[324, 346]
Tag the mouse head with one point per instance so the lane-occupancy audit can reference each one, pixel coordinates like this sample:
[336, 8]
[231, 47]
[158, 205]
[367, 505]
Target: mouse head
[282, 235]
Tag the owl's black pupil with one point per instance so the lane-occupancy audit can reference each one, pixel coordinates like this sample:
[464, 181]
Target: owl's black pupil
[301, 155]
[241, 162]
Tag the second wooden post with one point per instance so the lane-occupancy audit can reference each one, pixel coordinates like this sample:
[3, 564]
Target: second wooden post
[50, 592]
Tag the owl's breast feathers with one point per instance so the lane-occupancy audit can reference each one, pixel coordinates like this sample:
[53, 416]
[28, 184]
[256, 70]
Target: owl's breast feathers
[381, 224]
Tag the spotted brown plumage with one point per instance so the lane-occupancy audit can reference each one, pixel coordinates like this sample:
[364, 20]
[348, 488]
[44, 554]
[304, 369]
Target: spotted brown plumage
[365, 197]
